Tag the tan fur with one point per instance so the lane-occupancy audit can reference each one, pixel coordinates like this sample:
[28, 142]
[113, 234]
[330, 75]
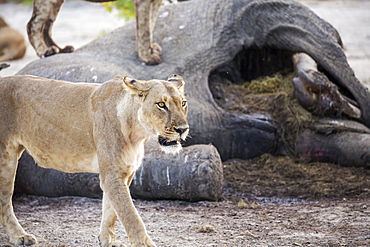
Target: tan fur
[45, 12]
[81, 127]
[12, 44]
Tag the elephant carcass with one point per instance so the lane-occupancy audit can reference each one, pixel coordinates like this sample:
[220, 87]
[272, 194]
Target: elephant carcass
[192, 175]
[201, 36]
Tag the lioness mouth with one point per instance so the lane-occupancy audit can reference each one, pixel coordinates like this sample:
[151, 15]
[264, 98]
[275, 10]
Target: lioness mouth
[164, 142]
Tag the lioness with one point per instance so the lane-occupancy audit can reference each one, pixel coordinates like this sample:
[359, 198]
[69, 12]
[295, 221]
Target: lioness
[39, 28]
[83, 127]
[12, 44]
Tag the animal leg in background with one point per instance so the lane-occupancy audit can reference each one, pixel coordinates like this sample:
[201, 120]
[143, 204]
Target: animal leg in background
[40, 26]
[146, 16]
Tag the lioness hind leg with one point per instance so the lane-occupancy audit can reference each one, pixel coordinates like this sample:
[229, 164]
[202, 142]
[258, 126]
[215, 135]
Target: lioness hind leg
[8, 166]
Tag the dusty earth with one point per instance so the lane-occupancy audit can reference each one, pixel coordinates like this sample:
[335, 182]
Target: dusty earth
[267, 201]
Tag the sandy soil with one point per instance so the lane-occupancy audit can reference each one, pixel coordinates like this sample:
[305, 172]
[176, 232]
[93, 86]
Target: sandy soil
[267, 201]
[72, 221]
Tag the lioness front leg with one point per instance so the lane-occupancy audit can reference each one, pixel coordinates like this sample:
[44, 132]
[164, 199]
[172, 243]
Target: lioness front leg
[107, 236]
[146, 16]
[117, 199]
[8, 167]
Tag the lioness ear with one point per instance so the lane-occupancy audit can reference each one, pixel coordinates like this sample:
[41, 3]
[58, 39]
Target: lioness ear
[178, 81]
[137, 87]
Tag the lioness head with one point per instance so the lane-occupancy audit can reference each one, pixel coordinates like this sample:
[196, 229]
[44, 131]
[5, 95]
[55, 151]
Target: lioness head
[163, 109]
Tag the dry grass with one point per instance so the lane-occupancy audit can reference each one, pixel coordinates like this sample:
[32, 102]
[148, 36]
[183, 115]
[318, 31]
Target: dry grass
[272, 95]
[270, 176]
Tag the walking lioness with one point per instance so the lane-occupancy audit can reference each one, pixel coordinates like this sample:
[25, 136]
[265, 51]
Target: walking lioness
[83, 127]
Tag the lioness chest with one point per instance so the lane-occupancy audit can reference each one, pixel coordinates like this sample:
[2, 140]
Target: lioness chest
[51, 120]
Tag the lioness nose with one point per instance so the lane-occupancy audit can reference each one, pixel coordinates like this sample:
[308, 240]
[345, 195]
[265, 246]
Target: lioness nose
[181, 130]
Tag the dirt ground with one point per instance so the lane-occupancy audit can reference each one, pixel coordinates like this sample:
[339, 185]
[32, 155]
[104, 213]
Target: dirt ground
[267, 201]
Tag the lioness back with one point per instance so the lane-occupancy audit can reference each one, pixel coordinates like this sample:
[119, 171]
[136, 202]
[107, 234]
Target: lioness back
[37, 107]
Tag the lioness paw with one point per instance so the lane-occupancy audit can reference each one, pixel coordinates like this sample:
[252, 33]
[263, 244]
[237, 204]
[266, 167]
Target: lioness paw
[154, 56]
[114, 243]
[67, 49]
[142, 242]
[149, 242]
[156, 49]
[27, 240]
[153, 59]
[52, 50]
[117, 244]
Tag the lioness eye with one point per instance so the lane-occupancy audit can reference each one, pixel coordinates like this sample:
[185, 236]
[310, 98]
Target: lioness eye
[184, 103]
[161, 104]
